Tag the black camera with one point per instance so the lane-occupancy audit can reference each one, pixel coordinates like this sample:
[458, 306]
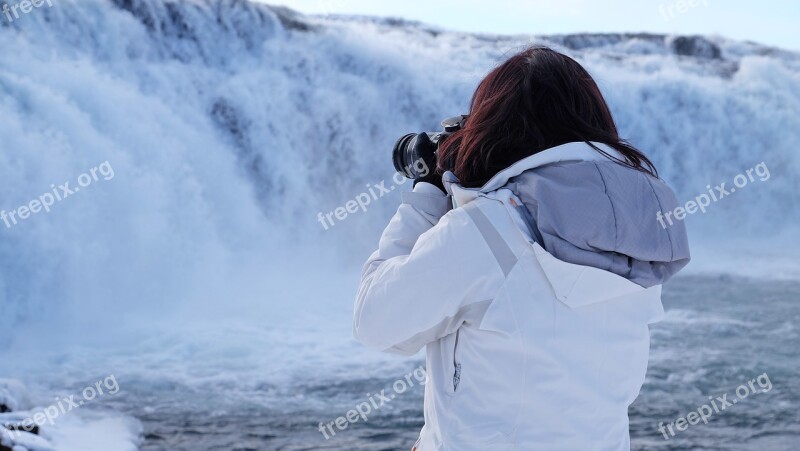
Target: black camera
[415, 154]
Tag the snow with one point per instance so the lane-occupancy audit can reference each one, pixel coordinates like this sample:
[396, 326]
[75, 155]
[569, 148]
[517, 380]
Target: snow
[83, 429]
[93, 431]
[24, 442]
[14, 395]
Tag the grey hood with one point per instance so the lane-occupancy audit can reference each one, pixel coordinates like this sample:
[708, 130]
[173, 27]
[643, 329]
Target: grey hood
[603, 214]
[589, 210]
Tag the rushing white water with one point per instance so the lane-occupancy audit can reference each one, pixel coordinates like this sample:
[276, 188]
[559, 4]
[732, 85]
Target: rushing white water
[229, 126]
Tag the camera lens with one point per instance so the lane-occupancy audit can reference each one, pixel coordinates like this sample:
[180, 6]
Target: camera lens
[401, 155]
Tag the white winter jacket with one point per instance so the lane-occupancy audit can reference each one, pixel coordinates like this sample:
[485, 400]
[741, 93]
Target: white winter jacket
[524, 350]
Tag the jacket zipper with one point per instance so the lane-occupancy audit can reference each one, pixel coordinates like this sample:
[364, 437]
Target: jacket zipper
[456, 365]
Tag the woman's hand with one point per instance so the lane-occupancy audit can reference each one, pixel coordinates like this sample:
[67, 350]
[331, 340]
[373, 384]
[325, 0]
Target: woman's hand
[434, 179]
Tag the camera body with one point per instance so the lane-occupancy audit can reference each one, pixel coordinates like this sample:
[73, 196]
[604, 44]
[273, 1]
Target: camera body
[415, 155]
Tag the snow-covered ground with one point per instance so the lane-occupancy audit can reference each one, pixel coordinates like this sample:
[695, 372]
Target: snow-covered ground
[57, 427]
[229, 126]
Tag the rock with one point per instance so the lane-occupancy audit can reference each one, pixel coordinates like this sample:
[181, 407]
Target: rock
[6, 443]
[21, 439]
[695, 46]
[14, 399]
[34, 429]
[13, 396]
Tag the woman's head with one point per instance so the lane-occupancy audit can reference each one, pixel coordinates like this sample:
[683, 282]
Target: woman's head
[536, 100]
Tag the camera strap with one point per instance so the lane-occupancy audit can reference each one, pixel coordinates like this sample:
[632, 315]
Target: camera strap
[502, 252]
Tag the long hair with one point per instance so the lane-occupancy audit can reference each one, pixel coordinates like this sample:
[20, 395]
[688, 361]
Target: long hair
[536, 100]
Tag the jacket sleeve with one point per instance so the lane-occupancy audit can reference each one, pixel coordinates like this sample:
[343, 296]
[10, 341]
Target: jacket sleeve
[427, 278]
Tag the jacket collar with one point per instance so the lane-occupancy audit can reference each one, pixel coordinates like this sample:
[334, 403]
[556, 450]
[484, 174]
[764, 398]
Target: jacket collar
[574, 151]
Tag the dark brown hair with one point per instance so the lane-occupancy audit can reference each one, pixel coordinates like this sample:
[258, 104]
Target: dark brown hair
[536, 100]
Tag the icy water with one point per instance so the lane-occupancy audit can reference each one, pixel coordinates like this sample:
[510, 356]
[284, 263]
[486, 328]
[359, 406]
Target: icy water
[247, 389]
[718, 333]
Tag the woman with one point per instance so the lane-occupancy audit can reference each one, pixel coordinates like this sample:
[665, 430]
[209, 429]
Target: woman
[529, 273]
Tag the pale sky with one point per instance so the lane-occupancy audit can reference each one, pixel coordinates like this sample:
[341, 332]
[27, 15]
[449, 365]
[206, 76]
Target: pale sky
[773, 22]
